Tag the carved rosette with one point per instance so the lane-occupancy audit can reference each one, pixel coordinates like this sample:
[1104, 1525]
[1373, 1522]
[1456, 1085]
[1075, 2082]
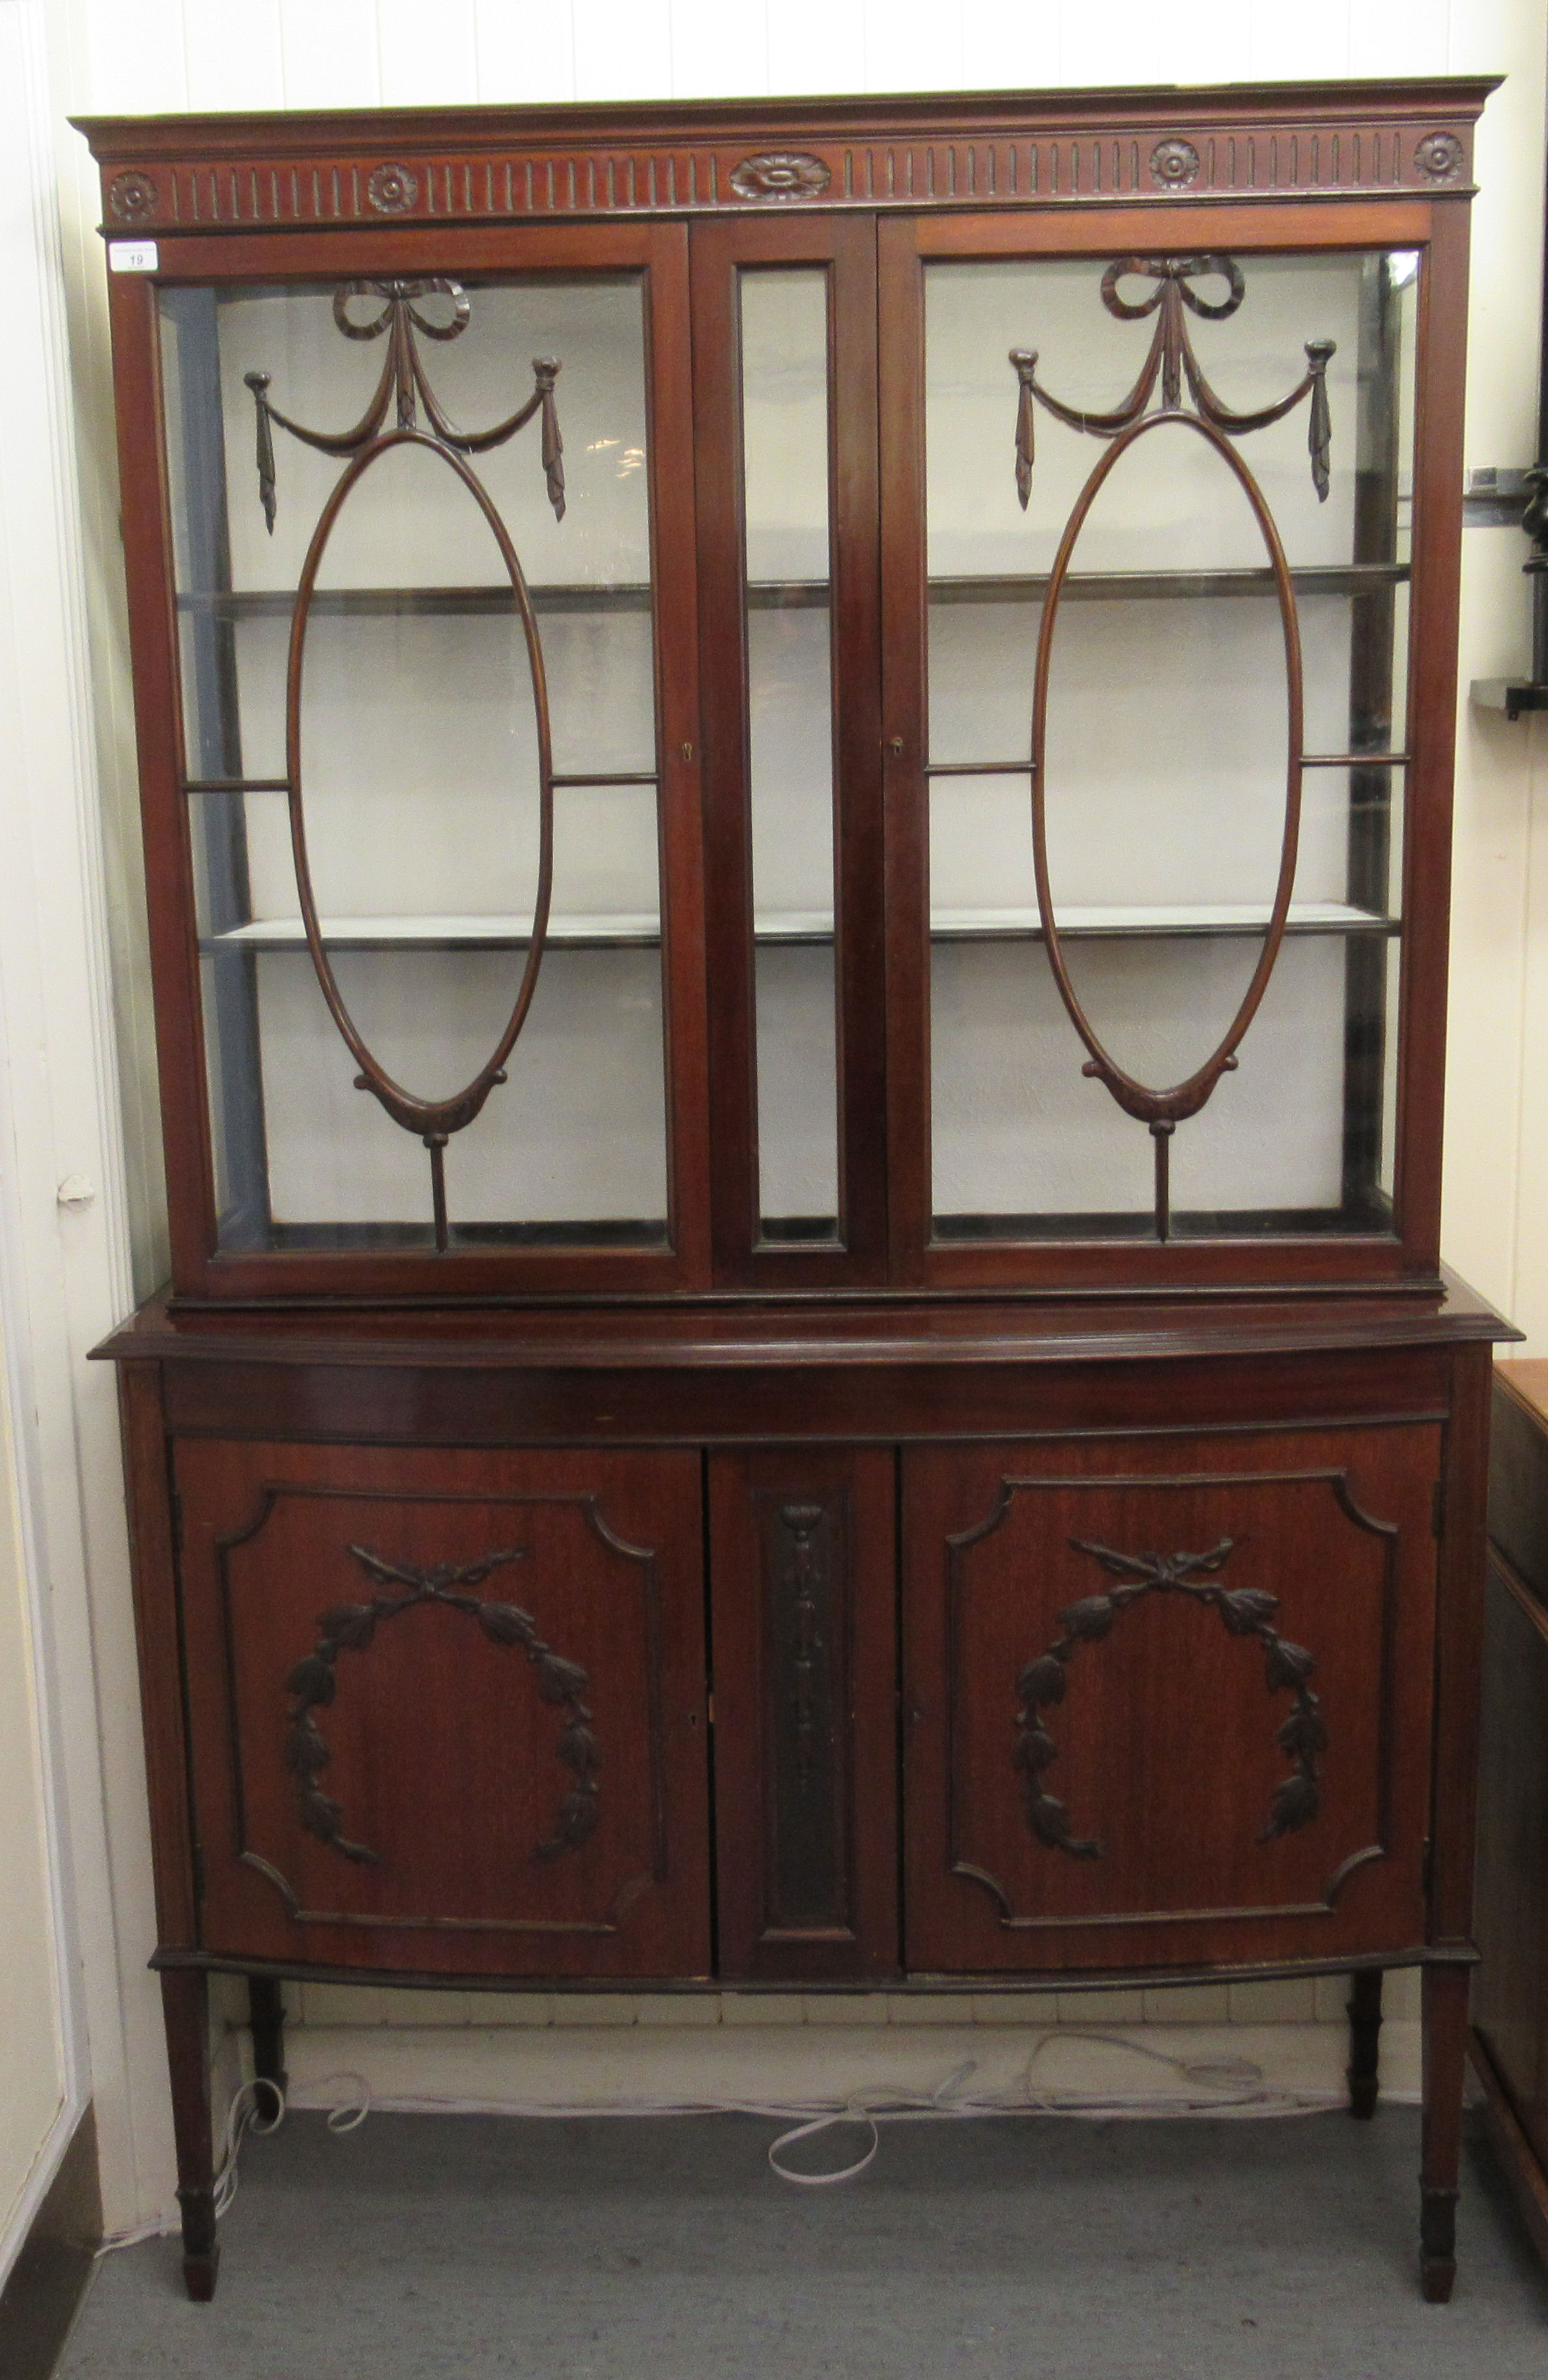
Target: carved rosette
[1174, 164]
[132, 198]
[350, 1627]
[1439, 156]
[781, 175]
[393, 190]
[1244, 1611]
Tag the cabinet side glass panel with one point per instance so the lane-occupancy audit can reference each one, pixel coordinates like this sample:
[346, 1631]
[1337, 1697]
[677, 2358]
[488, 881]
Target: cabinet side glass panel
[787, 544]
[450, 758]
[1167, 563]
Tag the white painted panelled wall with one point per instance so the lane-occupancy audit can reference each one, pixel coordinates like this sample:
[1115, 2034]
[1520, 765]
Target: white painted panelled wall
[76, 1097]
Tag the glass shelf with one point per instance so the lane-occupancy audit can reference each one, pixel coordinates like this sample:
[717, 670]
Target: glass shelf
[799, 594]
[1138, 586]
[634, 930]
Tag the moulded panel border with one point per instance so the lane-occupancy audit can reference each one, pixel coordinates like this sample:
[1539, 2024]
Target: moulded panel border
[1411, 1698]
[270, 1494]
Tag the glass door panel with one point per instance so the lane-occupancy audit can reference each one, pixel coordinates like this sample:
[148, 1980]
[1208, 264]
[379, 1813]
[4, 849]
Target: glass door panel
[788, 561]
[1167, 560]
[416, 622]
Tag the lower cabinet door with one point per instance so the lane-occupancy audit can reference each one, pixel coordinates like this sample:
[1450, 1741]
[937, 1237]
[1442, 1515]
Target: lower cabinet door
[448, 1707]
[1168, 1700]
[804, 1597]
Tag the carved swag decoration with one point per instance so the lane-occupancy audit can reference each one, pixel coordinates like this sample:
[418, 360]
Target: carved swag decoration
[1173, 362]
[401, 321]
[350, 1627]
[1244, 1611]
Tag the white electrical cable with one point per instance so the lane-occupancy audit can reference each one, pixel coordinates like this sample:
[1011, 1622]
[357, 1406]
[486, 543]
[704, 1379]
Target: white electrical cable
[242, 2117]
[1218, 2087]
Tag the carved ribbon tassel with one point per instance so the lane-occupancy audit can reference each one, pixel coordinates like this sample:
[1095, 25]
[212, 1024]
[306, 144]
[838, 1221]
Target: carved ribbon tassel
[258, 383]
[1319, 432]
[1025, 360]
[546, 372]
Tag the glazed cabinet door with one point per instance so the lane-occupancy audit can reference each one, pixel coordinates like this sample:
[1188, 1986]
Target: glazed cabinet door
[1157, 783]
[430, 965]
[1168, 1700]
[784, 403]
[447, 1708]
[804, 1600]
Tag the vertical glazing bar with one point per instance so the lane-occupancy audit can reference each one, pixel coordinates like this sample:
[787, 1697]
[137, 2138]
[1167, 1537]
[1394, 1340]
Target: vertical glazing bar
[1161, 1133]
[436, 1144]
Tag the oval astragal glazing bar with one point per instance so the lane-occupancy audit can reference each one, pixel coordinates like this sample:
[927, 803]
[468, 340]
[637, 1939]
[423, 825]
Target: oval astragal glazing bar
[1151, 1106]
[433, 1118]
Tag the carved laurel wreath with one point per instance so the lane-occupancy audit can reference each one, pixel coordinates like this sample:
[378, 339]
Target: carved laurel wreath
[350, 1627]
[1244, 1611]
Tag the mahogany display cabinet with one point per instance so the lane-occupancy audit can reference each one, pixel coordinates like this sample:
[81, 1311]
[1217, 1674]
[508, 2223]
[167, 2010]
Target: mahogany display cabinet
[796, 765]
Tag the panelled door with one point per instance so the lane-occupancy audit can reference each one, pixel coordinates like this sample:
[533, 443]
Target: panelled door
[1166, 1700]
[447, 1708]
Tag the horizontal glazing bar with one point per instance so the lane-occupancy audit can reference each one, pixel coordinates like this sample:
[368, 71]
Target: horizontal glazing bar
[622, 930]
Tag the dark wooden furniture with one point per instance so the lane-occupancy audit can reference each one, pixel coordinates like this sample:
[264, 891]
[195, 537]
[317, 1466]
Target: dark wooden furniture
[1510, 1991]
[799, 957]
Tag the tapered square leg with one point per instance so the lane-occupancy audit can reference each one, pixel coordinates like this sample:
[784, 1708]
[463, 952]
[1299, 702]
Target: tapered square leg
[185, 2008]
[266, 2009]
[1445, 2042]
[1364, 2008]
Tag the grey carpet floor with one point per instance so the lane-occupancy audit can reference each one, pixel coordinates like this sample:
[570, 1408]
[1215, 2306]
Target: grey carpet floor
[478, 2249]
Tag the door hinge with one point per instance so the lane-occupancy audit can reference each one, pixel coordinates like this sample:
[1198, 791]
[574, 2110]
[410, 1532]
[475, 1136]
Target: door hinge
[1427, 1867]
[1437, 1507]
[710, 1706]
[197, 1873]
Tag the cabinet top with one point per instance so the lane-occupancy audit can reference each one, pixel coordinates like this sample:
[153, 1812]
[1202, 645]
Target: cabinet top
[906, 1332]
[990, 149]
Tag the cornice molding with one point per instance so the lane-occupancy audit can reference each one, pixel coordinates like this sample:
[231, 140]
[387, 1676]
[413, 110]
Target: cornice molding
[991, 149]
